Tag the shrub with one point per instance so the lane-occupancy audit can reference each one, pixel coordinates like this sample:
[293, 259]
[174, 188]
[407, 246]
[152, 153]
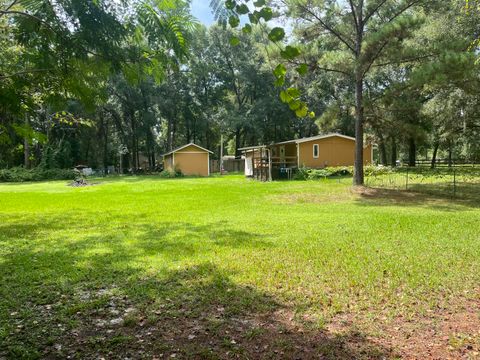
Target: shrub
[20, 174]
[377, 170]
[301, 174]
[315, 174]
[170, 174]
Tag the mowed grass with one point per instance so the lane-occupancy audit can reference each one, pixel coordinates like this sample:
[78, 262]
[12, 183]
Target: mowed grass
[189, 267]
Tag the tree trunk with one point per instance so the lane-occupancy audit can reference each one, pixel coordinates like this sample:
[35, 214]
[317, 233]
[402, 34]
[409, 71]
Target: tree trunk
[394, 153]
[412, 152]
[133, 152]
[436, 145]
[137, 153]
[105, 144]
[450, 160]
[237, 142]
[382, 150]
[26, 148]
[358, 177]
[169, 135]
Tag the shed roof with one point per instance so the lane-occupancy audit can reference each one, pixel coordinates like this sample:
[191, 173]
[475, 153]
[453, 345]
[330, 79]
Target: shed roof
[184, 146]
[252, 147]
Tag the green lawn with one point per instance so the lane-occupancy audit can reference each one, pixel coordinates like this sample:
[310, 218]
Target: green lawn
[226, 268]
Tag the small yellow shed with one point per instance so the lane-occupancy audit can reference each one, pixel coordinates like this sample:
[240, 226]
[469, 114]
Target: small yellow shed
[190, 159]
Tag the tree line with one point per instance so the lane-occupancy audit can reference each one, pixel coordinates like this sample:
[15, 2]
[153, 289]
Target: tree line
[108, 83]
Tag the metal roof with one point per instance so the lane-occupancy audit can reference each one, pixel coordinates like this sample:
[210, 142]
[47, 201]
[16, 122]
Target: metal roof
[252, 147]
[319, 137]
[184, 146]
[298, 141]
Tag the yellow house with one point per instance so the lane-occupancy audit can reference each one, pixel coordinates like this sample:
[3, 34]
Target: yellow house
[316, 152]
[190, 159]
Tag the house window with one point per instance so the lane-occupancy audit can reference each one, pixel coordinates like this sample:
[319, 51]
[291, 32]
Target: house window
[315, 151]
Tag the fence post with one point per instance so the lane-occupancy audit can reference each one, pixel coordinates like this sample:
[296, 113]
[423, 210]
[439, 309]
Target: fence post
[406, 180]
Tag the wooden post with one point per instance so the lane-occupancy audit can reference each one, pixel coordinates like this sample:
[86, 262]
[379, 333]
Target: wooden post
[406, 181]
[269, 165]
[221, 154]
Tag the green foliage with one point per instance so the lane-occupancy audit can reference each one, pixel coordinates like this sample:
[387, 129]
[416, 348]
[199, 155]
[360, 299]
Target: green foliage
[304, 173]
[171, 174]
[335, 171]
[234, 21]
[290, 53]
[20, 174]
[277, 34]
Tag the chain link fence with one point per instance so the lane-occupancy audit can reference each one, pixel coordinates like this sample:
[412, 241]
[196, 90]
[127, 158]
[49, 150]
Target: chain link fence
[458, 182]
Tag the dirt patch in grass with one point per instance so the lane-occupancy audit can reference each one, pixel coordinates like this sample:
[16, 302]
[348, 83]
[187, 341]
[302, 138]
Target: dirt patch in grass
[375, 197]
[196, 313]
[438, 334]
[163, 331]
[382, 197]
[200, 313]
[313, 198]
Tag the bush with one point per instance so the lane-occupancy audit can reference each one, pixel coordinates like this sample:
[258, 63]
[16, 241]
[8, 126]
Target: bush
[170, 174]
[377, 170]
[20, 174]
[301, 174]
[315, 174]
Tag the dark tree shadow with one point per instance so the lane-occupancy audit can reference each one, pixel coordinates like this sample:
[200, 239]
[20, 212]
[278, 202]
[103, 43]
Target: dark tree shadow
[90, 298]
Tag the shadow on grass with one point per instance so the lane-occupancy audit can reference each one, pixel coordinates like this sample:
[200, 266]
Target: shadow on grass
[100, 295]
[428, 196]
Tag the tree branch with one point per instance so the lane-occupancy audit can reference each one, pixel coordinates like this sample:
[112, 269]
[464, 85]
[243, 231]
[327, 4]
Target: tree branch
[30, 71]
[405, 60]
[22, 13]
[355, 20]
[371, 13]
[401, 11]
[331, 70]
[375, 57]
[8, 7]
[337, 34]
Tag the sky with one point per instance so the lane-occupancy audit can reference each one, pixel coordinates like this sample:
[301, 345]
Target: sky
[201, 10]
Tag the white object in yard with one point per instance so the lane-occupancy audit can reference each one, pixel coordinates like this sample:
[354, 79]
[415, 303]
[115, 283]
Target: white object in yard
[249, 163]
[87, 171]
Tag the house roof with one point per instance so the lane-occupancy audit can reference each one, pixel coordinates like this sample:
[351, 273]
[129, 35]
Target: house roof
[298, 141]
[319, 137]
[184, 146]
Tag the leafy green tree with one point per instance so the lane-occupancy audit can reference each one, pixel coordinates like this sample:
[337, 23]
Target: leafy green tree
[361, 35]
